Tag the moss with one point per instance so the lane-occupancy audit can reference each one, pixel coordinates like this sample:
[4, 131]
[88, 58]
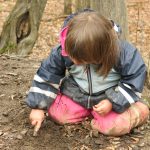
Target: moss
[8, 48]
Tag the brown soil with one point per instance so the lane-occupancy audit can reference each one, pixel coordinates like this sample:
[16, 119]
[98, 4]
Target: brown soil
[16, 132]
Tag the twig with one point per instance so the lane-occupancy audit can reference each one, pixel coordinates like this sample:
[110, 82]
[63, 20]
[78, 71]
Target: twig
[56, 18]
[148, 72]
[11, 74]
[14, 56]
[137, 25]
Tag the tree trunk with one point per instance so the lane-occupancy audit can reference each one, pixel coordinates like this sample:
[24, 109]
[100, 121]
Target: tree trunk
[20, 30]
[82, 4]
[67, 7]
[115, 10]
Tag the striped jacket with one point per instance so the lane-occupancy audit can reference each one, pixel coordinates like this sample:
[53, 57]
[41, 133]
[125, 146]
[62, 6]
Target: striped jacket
[58, 74]
[51, 79]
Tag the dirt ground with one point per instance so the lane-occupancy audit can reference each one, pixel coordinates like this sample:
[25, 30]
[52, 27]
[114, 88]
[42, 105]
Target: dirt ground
[16, 133]
[16, 75]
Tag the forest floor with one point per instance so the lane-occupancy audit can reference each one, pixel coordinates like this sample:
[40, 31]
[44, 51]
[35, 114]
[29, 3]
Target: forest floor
[16, 133]
[16, 75]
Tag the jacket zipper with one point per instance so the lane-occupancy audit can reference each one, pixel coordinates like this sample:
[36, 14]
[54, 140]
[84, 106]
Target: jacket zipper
[90, 85]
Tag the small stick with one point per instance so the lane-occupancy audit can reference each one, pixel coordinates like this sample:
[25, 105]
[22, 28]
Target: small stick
[36, 129]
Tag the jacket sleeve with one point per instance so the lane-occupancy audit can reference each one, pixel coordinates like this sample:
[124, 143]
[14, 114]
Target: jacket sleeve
[133, 73]
[45, 85]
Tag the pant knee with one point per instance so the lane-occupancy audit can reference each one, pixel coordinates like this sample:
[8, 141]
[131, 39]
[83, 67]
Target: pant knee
[56, 117]
[64, 110]
[113, 124]
[119, 124]
[139, 114]
[117, 128]
[144, 110]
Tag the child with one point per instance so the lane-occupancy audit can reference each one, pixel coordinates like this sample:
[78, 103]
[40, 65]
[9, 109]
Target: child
[91, 72]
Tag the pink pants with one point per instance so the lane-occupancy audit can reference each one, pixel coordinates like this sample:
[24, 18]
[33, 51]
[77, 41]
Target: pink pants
[64, 110]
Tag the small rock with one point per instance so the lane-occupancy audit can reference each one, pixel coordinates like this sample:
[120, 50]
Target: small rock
[142, 128]
[11, 74]
[35, 133]
[137, 136]
[136, 130]
[1, 132]
[128, 141]
[4, 121]
[87, 140]
[4, 83]
[14, 131]
[19, 137]
[110, 148]
[5, 114]
[5, 134]
[14, 67]
[135, 140]
[69, 147]
[7, 128]
[142, 132]
[99, 142]
[83, 147]
[116, 139]
[115, 142]
[122, 148]
[11, 136]
[2, 95]
[94, 133]
[110, 137]
[1, 146]
[141, 144]
[24, 132]
[135, 147]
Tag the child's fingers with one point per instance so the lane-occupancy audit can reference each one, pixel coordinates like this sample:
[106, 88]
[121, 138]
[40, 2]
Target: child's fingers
[98, 110]
[33, 122]
[97, 105]
[94, 108]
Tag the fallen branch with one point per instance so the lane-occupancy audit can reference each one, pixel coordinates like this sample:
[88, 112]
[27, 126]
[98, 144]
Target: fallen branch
[14, 56]
[56, 18]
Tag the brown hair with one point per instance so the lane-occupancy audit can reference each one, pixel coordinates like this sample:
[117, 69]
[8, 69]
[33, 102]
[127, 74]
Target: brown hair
[92, 39]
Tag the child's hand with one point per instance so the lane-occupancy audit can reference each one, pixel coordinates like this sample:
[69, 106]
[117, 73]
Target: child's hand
[36, 117]
[103, 107]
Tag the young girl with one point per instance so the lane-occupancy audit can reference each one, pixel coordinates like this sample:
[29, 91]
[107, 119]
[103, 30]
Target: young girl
[91, 72]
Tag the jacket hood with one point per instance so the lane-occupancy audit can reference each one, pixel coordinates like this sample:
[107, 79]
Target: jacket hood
[62, 39]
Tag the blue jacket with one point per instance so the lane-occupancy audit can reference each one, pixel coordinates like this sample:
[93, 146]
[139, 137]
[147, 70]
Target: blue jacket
[51, 79]
[58, 74]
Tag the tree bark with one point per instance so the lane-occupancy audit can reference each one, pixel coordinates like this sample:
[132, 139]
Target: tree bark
[67, 7]
[20, 30]
[82, 4]
[115, 10]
